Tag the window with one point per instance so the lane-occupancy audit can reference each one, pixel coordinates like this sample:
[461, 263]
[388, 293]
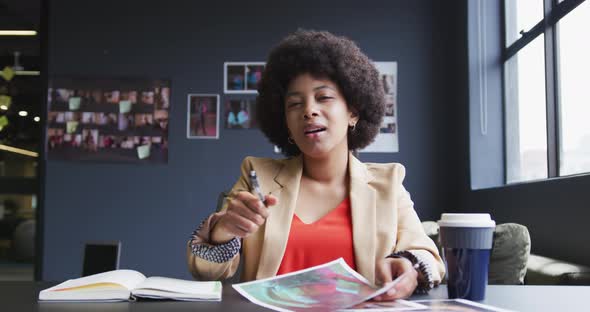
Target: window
[525, 109]
[574, 71]
[546, 88]
[521, 15]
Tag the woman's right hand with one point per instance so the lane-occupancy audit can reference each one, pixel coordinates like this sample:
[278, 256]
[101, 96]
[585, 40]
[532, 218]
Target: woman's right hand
[245, 213]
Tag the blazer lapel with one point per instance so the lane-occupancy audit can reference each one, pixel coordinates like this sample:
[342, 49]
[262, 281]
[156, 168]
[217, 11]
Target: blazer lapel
[278, 223]
[363, 206]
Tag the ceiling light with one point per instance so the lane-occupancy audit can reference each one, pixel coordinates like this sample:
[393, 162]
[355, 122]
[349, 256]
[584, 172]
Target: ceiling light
[18, 150]
[18, 33]
[23, 113]
[3, 107]
[36, 118]
[27, 72]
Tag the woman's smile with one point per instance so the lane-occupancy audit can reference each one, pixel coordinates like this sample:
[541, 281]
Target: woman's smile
[314, 130]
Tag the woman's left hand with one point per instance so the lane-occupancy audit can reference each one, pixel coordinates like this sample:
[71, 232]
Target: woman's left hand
[389, 269]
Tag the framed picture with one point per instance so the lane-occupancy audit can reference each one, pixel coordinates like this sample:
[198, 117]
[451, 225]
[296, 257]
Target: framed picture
[242, 77]
[387, 139]
[240, 114]
[202, 116]
[121, 120]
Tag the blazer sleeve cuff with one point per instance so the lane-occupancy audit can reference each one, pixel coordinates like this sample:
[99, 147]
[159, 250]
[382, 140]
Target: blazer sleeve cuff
[426, 279]
[201, 246]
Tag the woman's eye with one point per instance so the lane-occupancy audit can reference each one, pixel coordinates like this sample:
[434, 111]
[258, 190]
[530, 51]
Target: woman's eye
[324, 98]
[293, 104]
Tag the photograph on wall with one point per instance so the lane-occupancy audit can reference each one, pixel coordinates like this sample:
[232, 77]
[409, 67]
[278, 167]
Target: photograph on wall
[242, 77]
[108, 120]
[240, 114]
[203, 116]
[387, 139]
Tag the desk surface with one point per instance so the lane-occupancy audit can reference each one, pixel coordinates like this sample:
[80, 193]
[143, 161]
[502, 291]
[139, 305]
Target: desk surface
[22, 296]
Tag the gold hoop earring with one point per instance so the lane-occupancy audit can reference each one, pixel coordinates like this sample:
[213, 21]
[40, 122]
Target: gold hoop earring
[352, 127]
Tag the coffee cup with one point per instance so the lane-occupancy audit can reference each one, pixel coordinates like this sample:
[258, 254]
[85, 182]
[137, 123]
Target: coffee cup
[466, 240]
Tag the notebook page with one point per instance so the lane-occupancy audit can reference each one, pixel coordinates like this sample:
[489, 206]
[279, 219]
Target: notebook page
[126, 278]
[180, 286]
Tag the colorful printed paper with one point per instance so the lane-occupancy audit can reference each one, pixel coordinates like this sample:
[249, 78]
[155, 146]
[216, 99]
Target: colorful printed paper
[458, 305]
[386, 306]
[328, 287]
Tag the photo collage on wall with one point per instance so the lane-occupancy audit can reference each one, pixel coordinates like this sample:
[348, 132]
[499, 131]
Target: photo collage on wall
[387, 139]
[241, 83]
[240, 86]
[108, 120]
[242, 77]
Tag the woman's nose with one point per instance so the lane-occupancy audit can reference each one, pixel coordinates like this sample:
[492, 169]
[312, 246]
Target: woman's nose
[310, 110]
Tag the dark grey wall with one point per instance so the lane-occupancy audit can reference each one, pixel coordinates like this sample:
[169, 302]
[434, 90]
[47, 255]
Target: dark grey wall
[152, 209]
[555, 212]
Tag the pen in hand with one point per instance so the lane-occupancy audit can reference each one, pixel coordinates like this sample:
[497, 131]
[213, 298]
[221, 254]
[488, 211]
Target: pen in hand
[256, 186]
[244, 214]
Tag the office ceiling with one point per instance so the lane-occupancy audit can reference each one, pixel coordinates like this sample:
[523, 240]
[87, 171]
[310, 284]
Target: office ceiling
[20, 13]
[26, 91]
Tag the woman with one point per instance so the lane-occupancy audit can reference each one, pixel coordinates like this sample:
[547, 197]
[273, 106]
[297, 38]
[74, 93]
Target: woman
[320, 98]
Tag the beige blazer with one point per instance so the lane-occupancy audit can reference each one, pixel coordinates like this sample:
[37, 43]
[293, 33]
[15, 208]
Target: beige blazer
[383, 220]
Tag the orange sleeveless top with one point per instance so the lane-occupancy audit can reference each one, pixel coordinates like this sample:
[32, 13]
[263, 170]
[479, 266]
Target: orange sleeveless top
[327, 239]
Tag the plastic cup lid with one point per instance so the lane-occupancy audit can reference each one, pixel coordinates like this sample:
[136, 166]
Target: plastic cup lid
[466, 220]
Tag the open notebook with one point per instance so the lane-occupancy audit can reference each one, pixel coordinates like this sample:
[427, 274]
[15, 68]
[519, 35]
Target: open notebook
[125, 285]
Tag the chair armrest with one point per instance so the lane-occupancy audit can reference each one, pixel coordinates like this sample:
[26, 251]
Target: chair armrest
[579, 278]
[547, 271]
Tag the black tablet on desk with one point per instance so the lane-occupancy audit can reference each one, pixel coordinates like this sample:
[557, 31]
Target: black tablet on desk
[101, 257]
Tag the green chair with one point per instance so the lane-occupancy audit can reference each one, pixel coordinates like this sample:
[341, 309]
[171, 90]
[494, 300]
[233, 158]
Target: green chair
[510, 252]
